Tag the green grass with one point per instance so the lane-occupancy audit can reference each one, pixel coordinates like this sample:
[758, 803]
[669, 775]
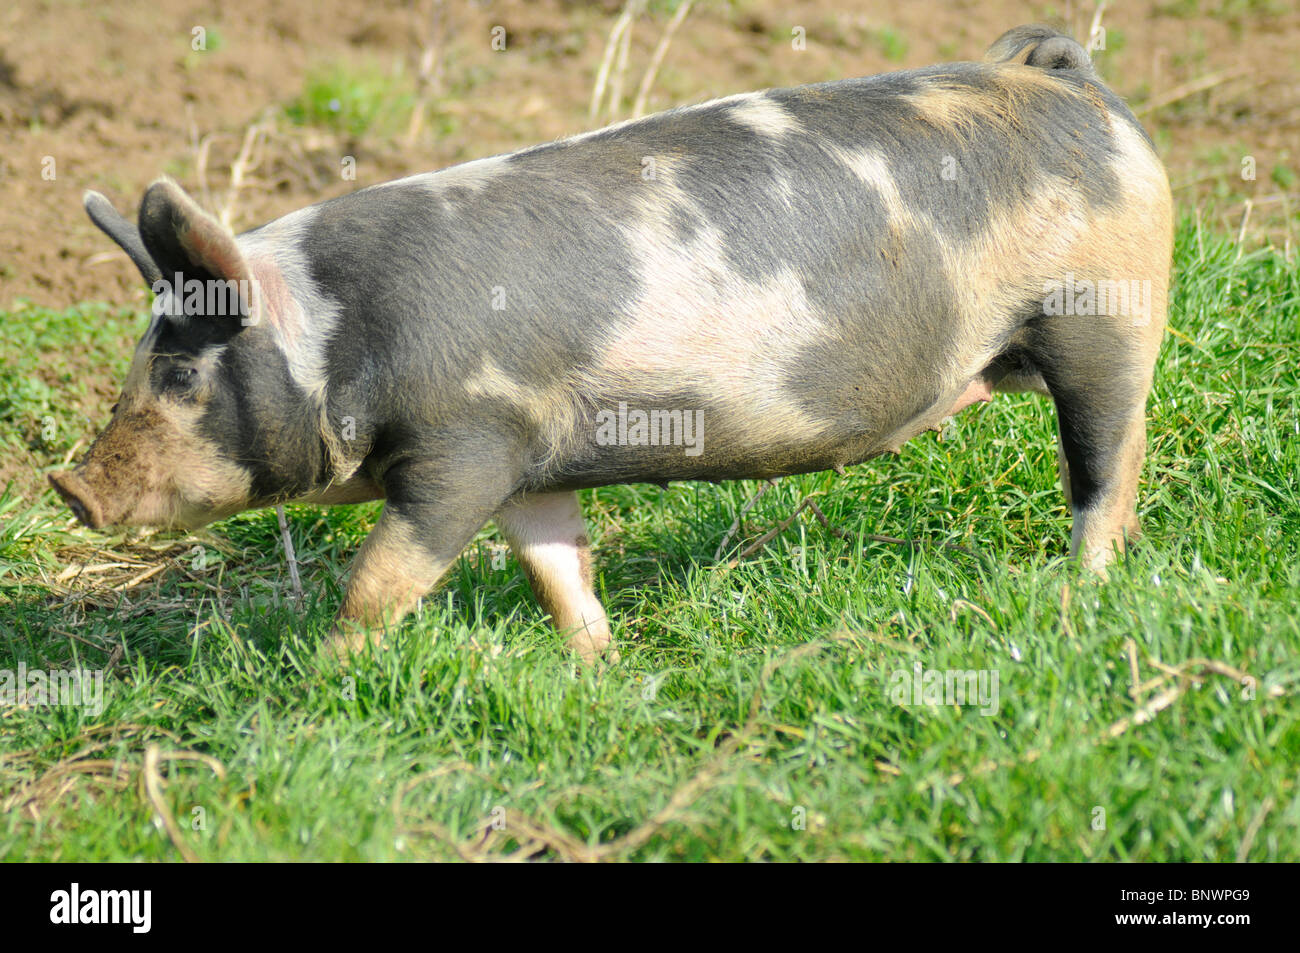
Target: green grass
[750, 715]
[50, 394]
[353, 101]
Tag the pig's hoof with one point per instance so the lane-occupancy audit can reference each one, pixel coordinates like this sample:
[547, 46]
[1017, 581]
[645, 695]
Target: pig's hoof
[343, 642]
[596, 650]
[1099, 559]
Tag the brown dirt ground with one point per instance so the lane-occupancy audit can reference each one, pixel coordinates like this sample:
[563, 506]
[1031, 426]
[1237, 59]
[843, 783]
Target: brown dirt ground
[113, 93]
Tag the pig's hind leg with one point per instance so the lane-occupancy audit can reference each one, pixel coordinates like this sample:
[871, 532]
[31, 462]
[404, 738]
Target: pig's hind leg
[548, 537]
[1098, 371]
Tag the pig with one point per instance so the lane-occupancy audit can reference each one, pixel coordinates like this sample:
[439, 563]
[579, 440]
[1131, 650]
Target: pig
[767, 284]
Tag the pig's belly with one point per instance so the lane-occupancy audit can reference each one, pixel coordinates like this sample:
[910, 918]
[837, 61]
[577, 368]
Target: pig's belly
[632, 445]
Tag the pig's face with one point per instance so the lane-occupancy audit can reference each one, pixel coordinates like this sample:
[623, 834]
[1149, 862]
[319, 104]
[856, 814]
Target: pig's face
[165, 459]
[154, 465]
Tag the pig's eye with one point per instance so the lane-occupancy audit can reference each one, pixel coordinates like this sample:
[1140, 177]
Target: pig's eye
[180, 378]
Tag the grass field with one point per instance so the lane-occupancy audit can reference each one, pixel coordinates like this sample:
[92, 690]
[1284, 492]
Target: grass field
[1152, 716]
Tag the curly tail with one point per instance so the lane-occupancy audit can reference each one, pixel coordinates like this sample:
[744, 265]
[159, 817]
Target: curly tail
[1037, 44]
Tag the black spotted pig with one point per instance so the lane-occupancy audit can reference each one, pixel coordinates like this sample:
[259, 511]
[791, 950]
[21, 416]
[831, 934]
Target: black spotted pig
[772, 283]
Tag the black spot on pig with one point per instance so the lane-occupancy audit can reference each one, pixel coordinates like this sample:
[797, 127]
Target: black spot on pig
[1014, 136]
[509, 271]
[259, 418]
[888, 316]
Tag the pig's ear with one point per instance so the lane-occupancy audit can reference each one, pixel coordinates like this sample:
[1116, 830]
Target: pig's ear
[126, 235]
[183, 238]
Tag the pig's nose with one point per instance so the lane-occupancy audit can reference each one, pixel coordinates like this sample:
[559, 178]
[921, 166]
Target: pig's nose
[68, 487]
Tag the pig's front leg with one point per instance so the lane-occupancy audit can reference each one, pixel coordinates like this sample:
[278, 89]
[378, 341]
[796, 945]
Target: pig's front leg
[547, 535]
[432, 510]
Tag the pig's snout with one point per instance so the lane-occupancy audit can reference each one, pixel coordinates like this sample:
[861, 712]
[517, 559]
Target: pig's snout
[77, 495]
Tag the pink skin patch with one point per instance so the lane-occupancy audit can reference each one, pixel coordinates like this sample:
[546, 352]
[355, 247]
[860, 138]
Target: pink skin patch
[279, 308]
[976, 392]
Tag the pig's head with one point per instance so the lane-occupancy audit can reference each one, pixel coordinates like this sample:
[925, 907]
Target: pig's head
[178, 450]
